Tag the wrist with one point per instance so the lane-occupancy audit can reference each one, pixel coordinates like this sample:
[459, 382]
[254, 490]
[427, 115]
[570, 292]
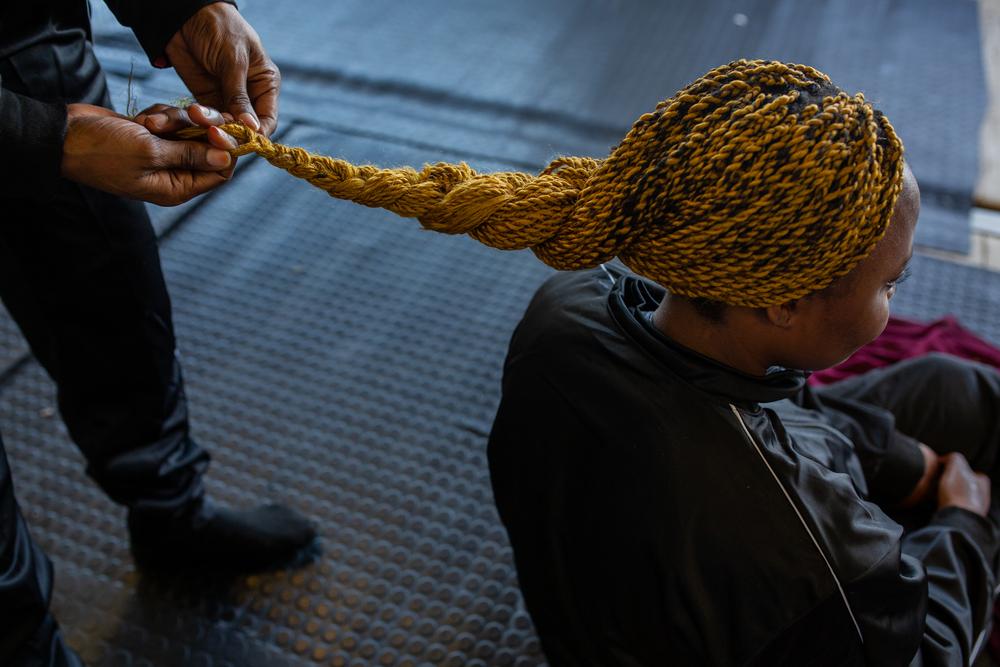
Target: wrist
[78, 143]
[212, 13]
[925, 486]
[968, 506]
[156, 35]
[75, 111]
[68, 165]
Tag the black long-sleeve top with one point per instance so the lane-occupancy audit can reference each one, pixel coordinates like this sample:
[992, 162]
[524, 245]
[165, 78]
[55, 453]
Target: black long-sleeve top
[665, 509]
[46, 63]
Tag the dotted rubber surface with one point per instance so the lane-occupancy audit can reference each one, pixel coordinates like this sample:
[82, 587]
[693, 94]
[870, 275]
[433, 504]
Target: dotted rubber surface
[341, 361]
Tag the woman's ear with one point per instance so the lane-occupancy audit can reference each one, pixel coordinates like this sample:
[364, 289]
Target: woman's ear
[782, 315]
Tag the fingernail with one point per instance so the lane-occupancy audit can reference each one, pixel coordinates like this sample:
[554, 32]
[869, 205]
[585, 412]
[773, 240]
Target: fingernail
[157, 119]
[228, 138]
[218, 158]
[250, 121]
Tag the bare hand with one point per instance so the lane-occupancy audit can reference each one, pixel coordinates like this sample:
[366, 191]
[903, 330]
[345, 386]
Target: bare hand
[961, 487]
[221, 60]
[110, 152]
[164, 120]
[926, 488]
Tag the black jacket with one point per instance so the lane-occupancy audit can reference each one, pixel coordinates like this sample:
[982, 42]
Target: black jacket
[665, 509]
[46, 62]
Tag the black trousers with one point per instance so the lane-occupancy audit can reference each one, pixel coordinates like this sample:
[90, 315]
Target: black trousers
[949, 404]
[80, 273]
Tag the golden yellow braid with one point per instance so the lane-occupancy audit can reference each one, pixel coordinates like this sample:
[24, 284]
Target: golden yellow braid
[737, 189]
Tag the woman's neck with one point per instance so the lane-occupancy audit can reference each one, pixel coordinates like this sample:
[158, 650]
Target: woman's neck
[727, 342]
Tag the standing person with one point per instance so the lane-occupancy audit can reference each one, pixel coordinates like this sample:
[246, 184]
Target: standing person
[80, 273]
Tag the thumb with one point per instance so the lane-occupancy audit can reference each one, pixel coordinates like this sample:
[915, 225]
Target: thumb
[234, 92]
[191, 156]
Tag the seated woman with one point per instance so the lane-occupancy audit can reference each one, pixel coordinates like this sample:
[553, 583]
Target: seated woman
[674, 492]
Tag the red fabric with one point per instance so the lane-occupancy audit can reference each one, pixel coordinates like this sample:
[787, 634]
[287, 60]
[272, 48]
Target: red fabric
[903, 339]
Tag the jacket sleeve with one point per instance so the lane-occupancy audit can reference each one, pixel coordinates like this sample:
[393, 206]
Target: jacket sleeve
[935, 591]
[154, 23]
[924, 603]
[32, 134]
[892, 461]
[958, 550]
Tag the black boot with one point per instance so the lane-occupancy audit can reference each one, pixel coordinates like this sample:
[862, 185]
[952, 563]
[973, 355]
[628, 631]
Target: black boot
[222, 539]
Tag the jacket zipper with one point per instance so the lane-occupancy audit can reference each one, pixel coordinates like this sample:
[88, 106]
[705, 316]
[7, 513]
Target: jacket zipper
[756, 447]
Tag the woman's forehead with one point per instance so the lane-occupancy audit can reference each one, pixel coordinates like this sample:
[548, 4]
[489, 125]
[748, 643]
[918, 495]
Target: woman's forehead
[894, 250]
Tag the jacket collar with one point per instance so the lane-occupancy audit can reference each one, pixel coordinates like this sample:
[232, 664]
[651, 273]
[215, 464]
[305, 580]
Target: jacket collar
[633, 299]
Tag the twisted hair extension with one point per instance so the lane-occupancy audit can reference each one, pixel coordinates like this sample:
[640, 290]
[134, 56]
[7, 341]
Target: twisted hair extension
[757, 184]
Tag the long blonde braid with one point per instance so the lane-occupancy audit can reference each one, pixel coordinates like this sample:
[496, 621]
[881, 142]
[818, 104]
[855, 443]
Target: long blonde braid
[757, 184]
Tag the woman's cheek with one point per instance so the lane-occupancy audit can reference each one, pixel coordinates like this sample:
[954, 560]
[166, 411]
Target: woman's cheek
[881, 314]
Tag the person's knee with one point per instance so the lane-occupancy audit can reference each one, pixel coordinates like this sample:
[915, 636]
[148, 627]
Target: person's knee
[947, 366]
[961, 382]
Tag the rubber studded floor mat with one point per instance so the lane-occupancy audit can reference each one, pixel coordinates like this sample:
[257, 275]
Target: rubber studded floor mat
[343, 361]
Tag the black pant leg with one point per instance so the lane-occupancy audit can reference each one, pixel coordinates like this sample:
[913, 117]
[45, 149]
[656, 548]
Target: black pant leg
[80, 273]
[28, 634]
[949, 404]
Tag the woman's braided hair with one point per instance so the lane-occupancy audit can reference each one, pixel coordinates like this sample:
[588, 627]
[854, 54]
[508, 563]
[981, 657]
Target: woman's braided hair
[759, 183]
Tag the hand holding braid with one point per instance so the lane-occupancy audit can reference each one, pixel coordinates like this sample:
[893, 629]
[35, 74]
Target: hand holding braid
[757, 184]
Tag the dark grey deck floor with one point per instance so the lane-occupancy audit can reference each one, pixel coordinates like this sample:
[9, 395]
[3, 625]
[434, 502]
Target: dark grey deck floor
[344, 362]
